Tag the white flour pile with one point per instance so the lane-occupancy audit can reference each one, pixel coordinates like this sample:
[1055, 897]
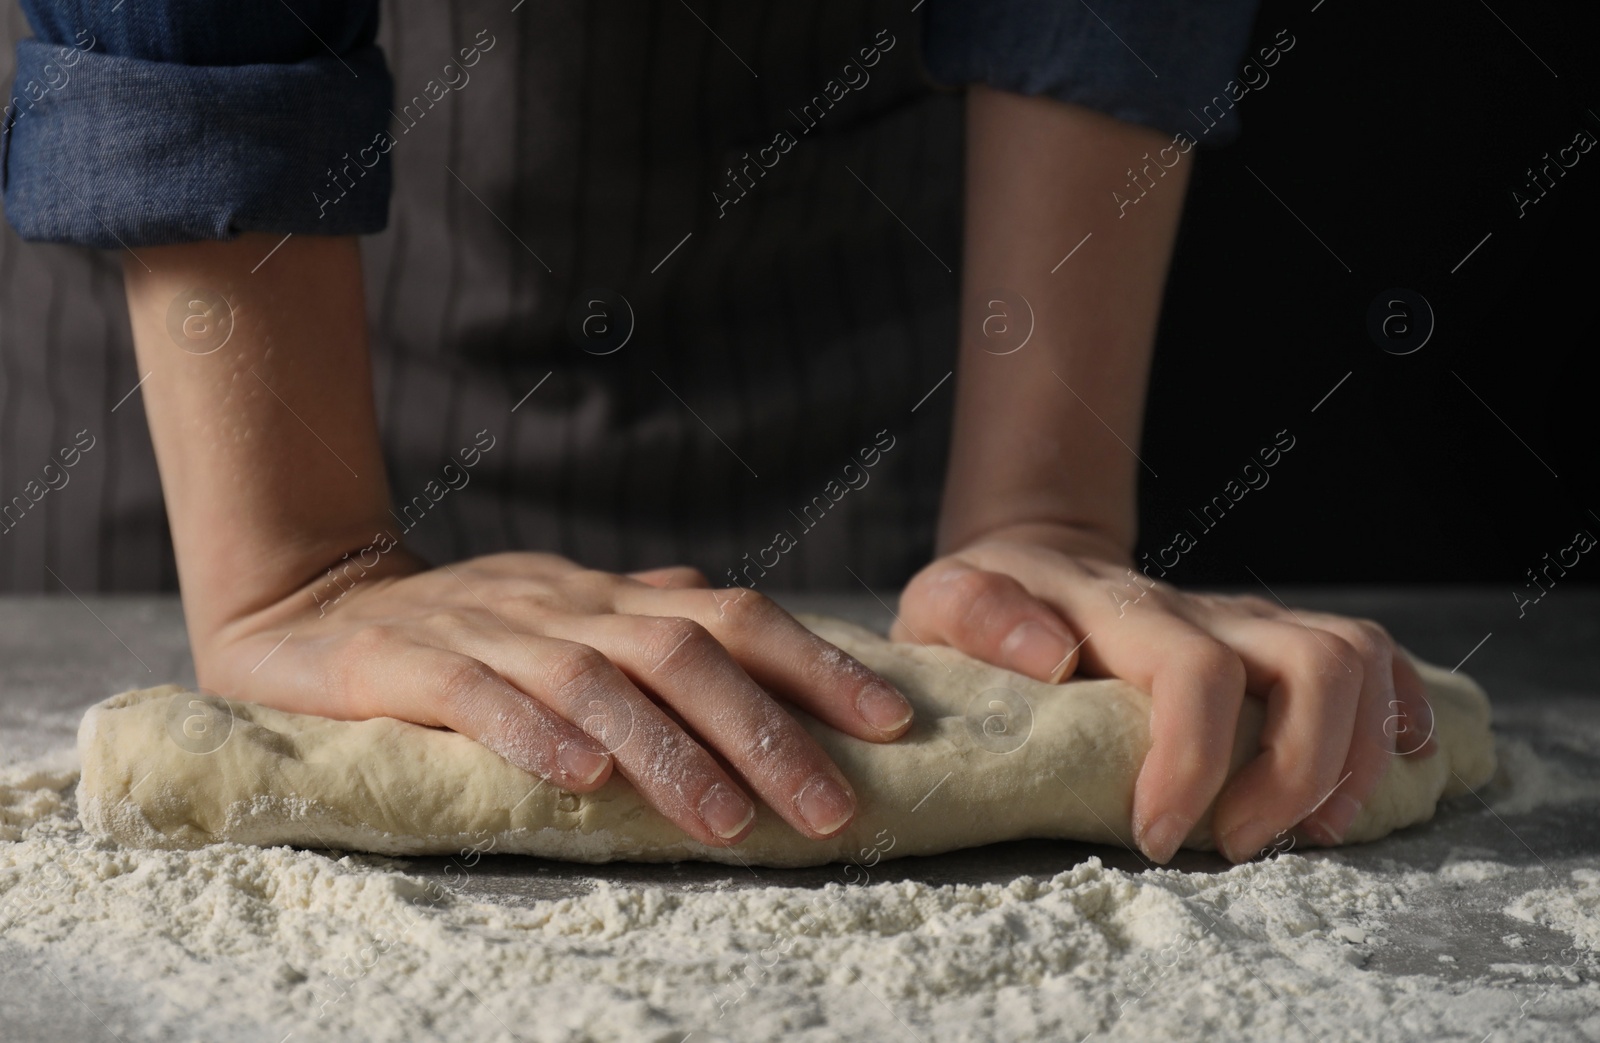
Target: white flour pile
[275, 944]
[1575, 910]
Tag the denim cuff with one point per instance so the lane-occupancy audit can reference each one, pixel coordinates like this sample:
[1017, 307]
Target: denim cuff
[1155, 63]
[109, 151]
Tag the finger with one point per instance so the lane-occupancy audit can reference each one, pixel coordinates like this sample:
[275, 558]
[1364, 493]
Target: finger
[990, 616]
[1410, 721]
[777, 652]
[1196, 684]
[434, 687]
[684, 666]
[1313, 682]
[1414, 733]
[672, 576]
[671, 771]
[1372, 739]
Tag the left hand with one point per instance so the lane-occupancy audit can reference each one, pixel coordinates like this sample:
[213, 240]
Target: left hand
[1342, 698]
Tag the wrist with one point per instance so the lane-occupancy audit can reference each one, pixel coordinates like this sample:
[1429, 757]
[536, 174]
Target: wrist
[305, 584]
[262, 559]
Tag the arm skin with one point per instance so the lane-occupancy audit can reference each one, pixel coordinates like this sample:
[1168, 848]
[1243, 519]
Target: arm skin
[259, 502]
[1039, 516]
[271, 465]
[1040, 176]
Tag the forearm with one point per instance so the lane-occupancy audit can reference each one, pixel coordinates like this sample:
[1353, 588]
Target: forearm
[267, 445]
[1047, 434]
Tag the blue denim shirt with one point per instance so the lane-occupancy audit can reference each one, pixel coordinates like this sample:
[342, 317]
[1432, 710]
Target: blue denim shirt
[182, 120]
[1154, 63]
[164, 121]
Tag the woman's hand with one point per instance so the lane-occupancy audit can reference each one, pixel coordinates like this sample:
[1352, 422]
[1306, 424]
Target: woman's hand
[566, 672]
[271, 467]
[1341, 697]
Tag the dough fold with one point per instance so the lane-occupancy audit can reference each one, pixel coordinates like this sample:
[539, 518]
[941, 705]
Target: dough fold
[992, 756]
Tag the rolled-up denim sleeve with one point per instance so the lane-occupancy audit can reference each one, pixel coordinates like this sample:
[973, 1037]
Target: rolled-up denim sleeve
[1158, 63]
[167, 121]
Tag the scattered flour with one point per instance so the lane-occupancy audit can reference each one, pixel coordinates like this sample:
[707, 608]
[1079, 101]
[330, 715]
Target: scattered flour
[1473, 871]
[1574, 910]
[35, 792]
[275, 944]
[1534, 781]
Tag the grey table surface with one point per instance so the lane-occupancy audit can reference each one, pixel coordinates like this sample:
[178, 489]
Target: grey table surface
[1542, 670]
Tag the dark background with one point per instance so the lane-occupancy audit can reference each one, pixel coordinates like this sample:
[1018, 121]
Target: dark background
[1397, 134]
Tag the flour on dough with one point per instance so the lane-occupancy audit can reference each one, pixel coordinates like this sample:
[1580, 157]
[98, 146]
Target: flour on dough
[992, 756]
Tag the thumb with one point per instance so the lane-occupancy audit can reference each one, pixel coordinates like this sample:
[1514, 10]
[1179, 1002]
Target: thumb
[989, 616]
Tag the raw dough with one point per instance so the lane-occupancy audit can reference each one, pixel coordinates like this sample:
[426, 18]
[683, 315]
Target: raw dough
[992, 756]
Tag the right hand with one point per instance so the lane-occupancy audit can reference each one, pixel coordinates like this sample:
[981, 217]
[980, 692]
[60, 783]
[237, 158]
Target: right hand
[567, 672]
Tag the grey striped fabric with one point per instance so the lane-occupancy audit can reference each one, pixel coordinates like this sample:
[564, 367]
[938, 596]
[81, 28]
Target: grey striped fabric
[789, 306]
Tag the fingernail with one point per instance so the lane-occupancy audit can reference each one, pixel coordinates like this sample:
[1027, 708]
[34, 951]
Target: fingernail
[1035, 650]
[581, 763]
[1333, 819]
[1244, 842]
[1162, 838]
[883, 707]
[825, 805]
[724, 812]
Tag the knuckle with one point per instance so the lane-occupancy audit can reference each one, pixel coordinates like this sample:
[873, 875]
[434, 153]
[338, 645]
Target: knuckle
[1373, 629]
[982, 597]
[750, 608]
[591, 585]
[352, 681]
[1212, 662]
[1375, 641]
[573, 669]
[1325, 656]
[972, 584]
[371, 642]
[531, 605]
[674, 642]
[929, 592]
[1367, 638]
[462, 680]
